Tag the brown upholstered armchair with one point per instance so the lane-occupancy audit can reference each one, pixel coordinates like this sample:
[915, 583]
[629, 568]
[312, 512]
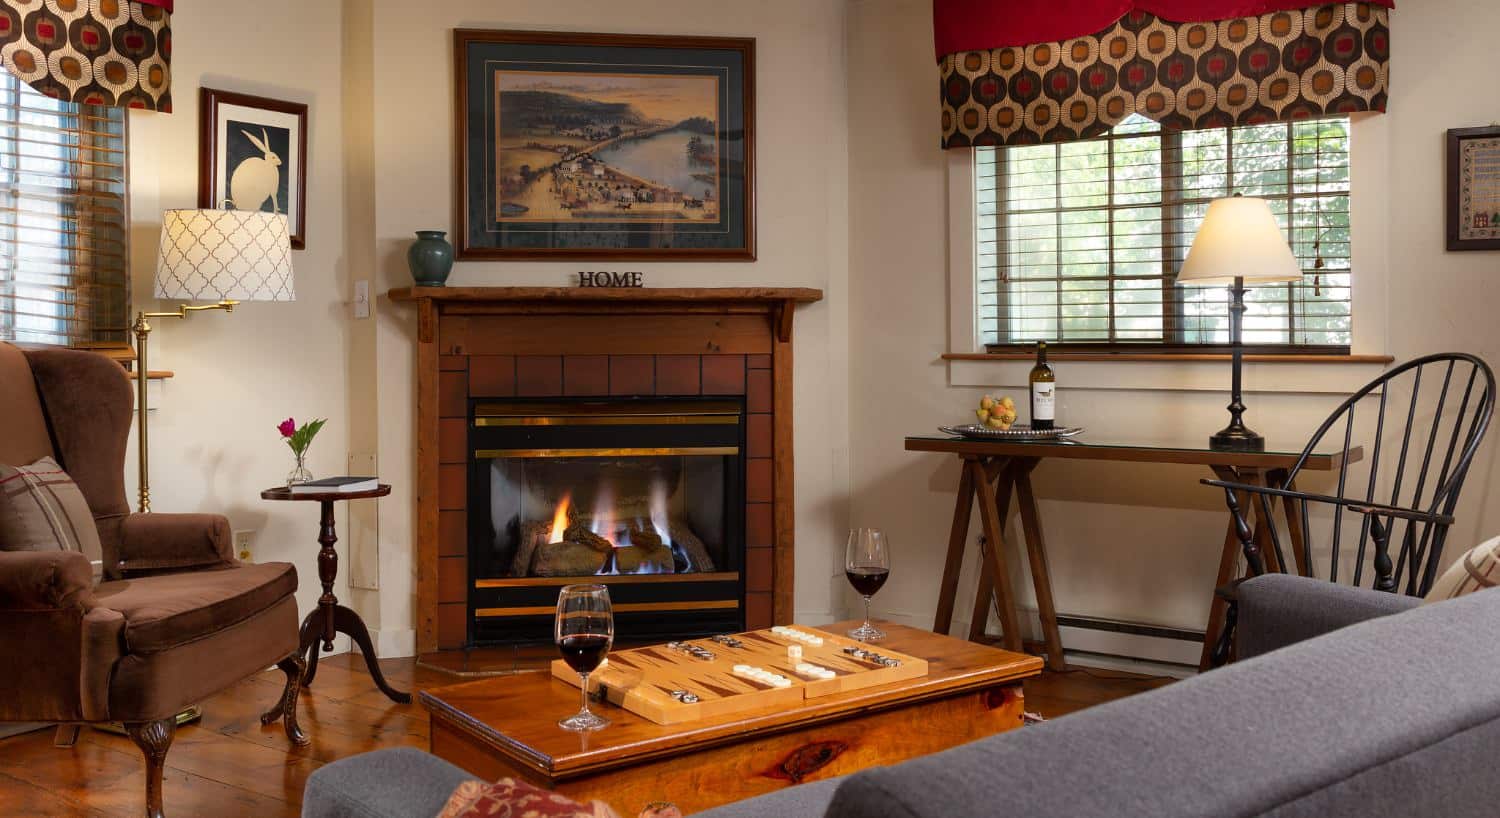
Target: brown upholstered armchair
[176, 617]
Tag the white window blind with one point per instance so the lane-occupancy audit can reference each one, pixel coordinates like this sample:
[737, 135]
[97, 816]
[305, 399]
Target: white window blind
[1079, 242]
[63, 220]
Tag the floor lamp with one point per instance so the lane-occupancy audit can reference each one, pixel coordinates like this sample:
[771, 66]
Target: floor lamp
[1238, 243]
[223, 256]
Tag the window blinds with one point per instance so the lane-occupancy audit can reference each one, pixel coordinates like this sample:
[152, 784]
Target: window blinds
[1080, 242]
[63, 220]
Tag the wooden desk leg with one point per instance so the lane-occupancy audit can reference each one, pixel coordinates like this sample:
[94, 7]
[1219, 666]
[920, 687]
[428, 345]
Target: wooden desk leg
[990, 515]
[958, 540]
[994, 469]
[1036, 552]
[1228, 562]
[1293, 512]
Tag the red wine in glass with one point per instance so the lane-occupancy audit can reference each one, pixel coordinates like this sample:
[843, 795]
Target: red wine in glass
[583, 630]
[867, 564]
[583, 652]
[867, 581]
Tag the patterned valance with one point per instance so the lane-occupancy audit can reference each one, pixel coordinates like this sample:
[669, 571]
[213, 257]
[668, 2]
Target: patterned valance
[1290, 64]
[97, 52]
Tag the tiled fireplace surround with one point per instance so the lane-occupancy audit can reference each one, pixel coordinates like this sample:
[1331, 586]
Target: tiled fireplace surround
[502, 342]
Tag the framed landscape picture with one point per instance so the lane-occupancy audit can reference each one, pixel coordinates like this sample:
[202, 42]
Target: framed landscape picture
[252, 154]
[1474, 188]
[605, 146]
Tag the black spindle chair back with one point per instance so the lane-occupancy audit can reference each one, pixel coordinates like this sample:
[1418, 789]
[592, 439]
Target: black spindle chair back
[1405, 489]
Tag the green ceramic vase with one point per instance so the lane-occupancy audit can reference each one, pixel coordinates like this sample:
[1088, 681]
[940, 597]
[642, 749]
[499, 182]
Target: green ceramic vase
[430, 258]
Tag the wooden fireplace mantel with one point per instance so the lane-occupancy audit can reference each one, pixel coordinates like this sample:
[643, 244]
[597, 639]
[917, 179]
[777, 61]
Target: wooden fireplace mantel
[475, 342]
[779, 301]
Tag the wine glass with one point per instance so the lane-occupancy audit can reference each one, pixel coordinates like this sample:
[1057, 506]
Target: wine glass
[584, 630]
[867, 564]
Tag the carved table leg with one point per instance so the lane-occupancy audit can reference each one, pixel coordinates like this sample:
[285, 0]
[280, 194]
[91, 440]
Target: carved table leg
[347, 621]
[312, 628]
[328, 571]
[154, 738]
[294, 667]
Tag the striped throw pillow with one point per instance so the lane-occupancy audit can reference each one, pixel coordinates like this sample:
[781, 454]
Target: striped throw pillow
[1477, 569]
[41, 509]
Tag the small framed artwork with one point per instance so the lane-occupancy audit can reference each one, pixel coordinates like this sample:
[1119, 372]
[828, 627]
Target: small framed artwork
[252, 155]
[604, 146]
[1474, 188]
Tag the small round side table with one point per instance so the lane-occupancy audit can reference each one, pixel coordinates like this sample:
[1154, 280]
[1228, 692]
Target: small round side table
[330, 618]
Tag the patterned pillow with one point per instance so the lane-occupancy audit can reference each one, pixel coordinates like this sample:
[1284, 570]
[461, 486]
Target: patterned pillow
[509, 797]
[41, 509]
[1477, 569]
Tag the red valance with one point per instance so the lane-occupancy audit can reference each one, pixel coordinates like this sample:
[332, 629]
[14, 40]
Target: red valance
[1284, 65]
[975, 25]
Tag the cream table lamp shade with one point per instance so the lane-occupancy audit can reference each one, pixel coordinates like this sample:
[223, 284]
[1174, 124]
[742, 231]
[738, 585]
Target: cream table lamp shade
[1239, 238]
[224, 255]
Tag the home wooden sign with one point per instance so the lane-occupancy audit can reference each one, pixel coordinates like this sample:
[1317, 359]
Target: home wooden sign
[611, 279]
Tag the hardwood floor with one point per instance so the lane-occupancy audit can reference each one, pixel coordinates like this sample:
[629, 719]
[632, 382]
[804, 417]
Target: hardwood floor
[230, 765]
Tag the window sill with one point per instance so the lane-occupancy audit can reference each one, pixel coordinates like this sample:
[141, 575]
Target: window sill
[1170, 357]
[1207, 372]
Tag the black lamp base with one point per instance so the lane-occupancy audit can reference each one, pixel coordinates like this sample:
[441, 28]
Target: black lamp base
[1237, 438]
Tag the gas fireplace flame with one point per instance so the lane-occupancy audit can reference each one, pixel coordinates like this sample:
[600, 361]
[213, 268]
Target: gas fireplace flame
[560, 518]
[659, 511]
[604, 518]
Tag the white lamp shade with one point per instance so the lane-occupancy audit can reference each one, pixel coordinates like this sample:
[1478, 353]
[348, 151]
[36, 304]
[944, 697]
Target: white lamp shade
[1239, 238]
[217, 255]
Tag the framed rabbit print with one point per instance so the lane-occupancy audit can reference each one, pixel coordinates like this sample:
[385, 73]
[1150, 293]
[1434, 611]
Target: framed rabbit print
[608, 146]
[252, 154]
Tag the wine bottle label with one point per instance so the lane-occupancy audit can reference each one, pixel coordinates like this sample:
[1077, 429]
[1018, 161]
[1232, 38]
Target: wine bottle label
[1043, 401]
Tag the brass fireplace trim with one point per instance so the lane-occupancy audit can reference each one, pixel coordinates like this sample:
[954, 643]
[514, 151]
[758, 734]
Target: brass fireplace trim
[617, 413]
[496, 454]
[606, 579]
[619, 607]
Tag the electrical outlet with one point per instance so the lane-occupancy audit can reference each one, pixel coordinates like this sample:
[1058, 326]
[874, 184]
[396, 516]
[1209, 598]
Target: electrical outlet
[362, 299]
[242, 540]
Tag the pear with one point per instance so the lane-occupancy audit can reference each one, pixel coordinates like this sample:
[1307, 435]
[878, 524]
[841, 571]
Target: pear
[987, 402]
[1008, 404]
[984, 415]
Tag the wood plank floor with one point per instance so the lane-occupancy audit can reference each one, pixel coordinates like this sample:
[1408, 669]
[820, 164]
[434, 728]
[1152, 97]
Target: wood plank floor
[230, 765]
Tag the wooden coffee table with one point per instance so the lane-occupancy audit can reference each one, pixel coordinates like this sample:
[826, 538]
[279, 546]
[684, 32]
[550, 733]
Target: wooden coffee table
[507, 726]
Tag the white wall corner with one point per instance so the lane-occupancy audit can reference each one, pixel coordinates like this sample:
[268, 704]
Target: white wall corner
[394, 643]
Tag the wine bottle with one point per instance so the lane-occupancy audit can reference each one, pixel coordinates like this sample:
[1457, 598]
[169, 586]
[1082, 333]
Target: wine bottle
[1043, 391]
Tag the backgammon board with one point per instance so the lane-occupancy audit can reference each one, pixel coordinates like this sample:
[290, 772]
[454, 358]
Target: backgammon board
[702, 678]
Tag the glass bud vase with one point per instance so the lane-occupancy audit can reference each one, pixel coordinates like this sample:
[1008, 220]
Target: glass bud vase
[300, 474]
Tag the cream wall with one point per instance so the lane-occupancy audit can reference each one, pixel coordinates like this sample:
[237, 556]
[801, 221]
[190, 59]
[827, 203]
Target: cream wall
[1130, 542]
[1135, 543]
[802, 195]
[213, 440]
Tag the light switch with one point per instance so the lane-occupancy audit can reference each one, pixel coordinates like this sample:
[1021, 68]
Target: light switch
[362, 299]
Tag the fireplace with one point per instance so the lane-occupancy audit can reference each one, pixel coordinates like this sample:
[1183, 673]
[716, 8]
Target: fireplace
[644, 495]
[641, 438]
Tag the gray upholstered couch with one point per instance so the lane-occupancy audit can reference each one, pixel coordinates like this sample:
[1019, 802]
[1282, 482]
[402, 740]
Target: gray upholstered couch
[1398, 714]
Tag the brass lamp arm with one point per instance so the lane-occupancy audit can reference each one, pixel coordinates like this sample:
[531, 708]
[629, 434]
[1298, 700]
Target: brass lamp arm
[142, 330]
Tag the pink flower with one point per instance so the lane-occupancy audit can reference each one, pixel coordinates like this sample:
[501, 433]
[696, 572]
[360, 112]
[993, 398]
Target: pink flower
[287, 427]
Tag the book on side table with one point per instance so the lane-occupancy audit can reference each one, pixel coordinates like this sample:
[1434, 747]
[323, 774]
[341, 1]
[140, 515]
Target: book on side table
[337, 485]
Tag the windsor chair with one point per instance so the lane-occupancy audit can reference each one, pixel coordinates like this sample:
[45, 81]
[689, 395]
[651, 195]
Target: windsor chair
[1452, 398]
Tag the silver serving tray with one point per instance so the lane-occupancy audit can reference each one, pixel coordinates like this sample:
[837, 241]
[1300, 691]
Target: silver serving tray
[1019, 431]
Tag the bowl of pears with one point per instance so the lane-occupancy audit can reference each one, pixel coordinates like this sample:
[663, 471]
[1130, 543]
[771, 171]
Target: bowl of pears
[996, 414]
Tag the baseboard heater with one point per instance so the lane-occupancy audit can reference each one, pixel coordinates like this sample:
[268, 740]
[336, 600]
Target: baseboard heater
[1134, 628]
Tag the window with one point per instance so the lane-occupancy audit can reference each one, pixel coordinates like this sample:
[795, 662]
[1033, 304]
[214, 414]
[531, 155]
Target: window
[63, 220]
[1079, 243]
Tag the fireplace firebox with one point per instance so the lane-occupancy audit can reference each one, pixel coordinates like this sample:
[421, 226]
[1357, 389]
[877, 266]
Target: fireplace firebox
[644, 495]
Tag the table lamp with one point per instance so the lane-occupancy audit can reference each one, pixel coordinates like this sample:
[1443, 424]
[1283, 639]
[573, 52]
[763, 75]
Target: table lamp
[1239, 242]
[224, 256]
